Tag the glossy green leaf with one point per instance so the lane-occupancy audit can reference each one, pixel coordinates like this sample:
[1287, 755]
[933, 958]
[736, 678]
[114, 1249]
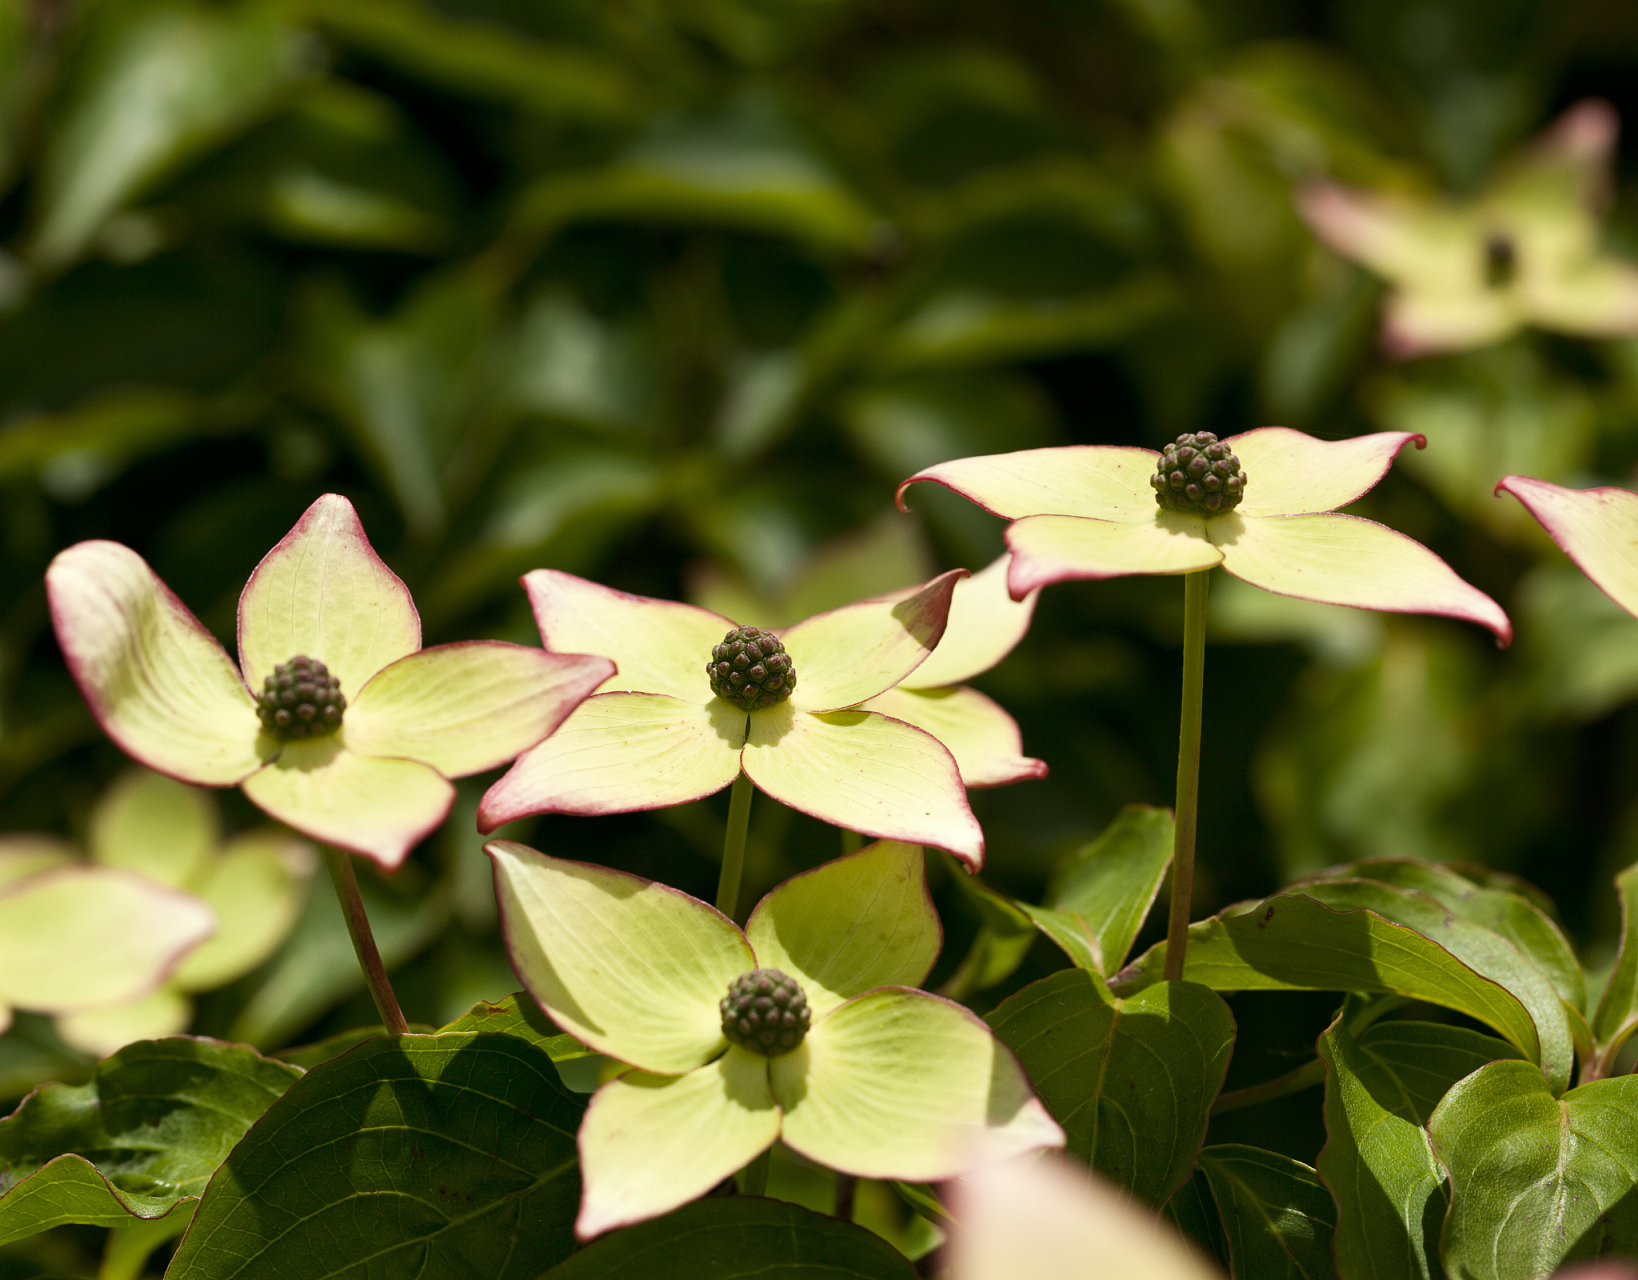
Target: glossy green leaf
[479, 58]
[1501, 910]
[737, 1238]
[449, 1154]
[1617, 1015]
[1130, 1080]
[1536, 1180]
[1483, 950]
[1100, 895]
[143, 1136]
[171, 80]
[1277, 1216]
[1292, 942]
[1380, 1089]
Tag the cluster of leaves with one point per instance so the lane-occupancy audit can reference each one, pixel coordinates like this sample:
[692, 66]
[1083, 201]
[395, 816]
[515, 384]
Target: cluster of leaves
[670, 295]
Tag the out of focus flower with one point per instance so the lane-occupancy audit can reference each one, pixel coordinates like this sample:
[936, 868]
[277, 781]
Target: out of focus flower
[139, 918]
[1526, 251]
[336, 722]
[803, 1027]
[1047, 1218]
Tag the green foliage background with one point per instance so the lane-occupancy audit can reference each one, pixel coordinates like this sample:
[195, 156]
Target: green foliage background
[671, 293]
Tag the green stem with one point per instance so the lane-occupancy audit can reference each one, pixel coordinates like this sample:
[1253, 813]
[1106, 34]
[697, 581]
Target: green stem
[1188, 769]
[846, 1186]
[1304, 1077]
[852, 842]
[733, 847]
[756, 1175]
[369, 957]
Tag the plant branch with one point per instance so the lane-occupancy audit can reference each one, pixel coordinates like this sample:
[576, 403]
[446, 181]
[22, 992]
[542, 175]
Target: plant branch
[733, 847]
[1188, 769]
[1304, 1077]
[369, 956]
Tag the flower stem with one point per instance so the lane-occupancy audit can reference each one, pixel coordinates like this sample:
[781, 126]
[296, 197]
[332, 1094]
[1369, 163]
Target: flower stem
[1188, 768]
[369, 958]
[846, 1186]
[756, 1175]
[733, 847]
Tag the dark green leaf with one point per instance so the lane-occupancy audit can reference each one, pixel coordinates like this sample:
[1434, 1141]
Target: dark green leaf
[738, 1238]
[1535, 1180]
[1100, 894]
[143, 1136]
[450, 1155]
[1131, 1081]
[1482, 949]
[1379, 1092]
[163, 82]
[1277, 1216]
[1617, 1015]
[1293, 943]
[1503, 911]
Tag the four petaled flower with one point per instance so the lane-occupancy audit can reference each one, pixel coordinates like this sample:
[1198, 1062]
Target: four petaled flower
[656, 734]
[374, 778]
[1526, 251]
[887, 1082]
[1089, 511]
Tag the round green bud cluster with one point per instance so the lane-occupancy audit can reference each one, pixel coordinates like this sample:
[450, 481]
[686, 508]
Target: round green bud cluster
[1198, 473]
[751, 669]
[766, 1012]
[301, 699]
[1501, 260]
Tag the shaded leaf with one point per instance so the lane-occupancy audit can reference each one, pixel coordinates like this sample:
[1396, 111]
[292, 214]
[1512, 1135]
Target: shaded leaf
[163, 82]
[1277, 1216]
[737, 1238]
[143, 1136]
[1100, 894]
[1617, 1015]
[444, 1155]
[1293, 943]
[1536, 1180]
[1130, 1080]
[1380, 1089]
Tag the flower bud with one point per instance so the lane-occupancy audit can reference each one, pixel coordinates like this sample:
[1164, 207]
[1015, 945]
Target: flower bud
[301, 699]
[751, 669]
[766, 1012]
[1198, 473]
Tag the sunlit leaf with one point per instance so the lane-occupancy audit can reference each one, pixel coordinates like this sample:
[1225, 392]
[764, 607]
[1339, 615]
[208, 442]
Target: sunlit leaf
[145, 1135]
[1535, 1180]
[1131, 1080]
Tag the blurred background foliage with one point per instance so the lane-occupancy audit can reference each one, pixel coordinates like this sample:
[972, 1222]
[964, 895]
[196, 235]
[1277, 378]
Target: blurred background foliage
[671, 293]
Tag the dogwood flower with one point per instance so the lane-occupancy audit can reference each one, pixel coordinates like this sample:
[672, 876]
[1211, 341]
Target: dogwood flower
[1046, 1218]
[1090, 511]
[1525, 251]
[76, 938]
[154, 828]
[985, 625]
[1596, 528]
[659, 733]
[335, 722]
[803, 1027]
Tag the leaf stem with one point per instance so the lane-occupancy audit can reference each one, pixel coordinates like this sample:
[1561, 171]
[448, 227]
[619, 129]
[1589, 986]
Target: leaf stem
[1188, 768]
[733, 847]
[1306, 1076]
[369, 956]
